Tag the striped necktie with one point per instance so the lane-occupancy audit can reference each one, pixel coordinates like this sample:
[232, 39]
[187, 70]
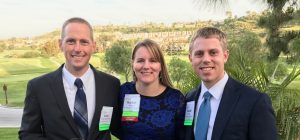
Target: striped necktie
[203, 118]
[80, 110]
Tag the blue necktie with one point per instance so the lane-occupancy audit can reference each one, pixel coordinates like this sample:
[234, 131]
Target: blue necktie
[80, 110]
[203, 118]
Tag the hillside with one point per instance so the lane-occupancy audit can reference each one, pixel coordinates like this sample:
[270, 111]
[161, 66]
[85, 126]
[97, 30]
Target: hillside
[174, 36]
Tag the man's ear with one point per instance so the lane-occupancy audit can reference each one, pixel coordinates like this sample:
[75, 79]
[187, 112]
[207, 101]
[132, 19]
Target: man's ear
[190, 57]
[94, 46]
[226, 55]
[60, 44]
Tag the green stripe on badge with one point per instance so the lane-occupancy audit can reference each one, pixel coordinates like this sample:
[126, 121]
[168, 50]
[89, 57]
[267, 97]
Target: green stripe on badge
[130, 114]
[103, 127]
[188, 122]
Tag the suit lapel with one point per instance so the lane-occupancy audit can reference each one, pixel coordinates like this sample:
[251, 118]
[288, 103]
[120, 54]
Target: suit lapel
[194, 96]
[98, 103]
[227, 105]
[60, 96]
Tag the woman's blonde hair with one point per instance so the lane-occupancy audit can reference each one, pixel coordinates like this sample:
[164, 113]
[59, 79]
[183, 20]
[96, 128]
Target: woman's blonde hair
[156, 52]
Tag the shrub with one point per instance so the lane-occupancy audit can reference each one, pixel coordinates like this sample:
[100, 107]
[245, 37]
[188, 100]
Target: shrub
[31, 54]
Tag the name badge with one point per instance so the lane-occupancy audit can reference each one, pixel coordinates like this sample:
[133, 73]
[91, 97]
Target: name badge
[131, 107]
[189, 113]
[105, 118]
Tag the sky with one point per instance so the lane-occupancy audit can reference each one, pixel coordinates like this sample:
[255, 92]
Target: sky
[29, 18]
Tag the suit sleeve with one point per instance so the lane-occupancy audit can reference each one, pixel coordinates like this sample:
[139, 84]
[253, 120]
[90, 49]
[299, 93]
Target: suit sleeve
[263, 123]
[179, 124]
[116, 118]
[31, 125]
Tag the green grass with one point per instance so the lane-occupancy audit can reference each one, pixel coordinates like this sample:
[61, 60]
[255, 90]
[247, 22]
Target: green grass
[9, 133]
[16, 72]
[295, 84]
[15, 93]
[12, 134]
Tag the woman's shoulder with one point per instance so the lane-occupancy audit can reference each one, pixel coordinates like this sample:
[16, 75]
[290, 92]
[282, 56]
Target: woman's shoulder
[128, 84]
[127, 87]
[175, 91]
[175, 94]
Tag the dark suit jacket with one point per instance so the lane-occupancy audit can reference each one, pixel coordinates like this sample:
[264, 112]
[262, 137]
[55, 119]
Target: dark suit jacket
[47, 114]
[243, 114]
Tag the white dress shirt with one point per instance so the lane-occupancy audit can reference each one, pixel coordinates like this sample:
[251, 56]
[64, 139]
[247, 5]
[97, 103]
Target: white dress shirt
[216, 91]
[88, 80]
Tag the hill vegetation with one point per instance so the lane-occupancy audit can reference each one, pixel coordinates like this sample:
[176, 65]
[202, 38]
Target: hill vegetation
[173, 37]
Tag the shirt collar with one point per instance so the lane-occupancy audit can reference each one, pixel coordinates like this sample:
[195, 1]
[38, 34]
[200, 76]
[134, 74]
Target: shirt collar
[70, 78]
[216, 90]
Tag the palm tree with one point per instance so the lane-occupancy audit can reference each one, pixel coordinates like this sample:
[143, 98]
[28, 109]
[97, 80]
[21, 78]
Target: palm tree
[252, 72]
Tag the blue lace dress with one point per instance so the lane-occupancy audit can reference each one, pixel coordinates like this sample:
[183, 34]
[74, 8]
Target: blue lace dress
[160, 117]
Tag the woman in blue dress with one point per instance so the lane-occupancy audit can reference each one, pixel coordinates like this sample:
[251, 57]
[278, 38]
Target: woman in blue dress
[152, 108]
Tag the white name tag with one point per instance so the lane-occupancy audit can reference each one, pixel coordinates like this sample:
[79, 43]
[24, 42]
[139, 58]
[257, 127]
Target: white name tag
[131, 107]
[105, 118]
[189, 113]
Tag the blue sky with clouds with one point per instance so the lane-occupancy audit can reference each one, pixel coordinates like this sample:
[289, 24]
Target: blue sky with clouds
[28, 18]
